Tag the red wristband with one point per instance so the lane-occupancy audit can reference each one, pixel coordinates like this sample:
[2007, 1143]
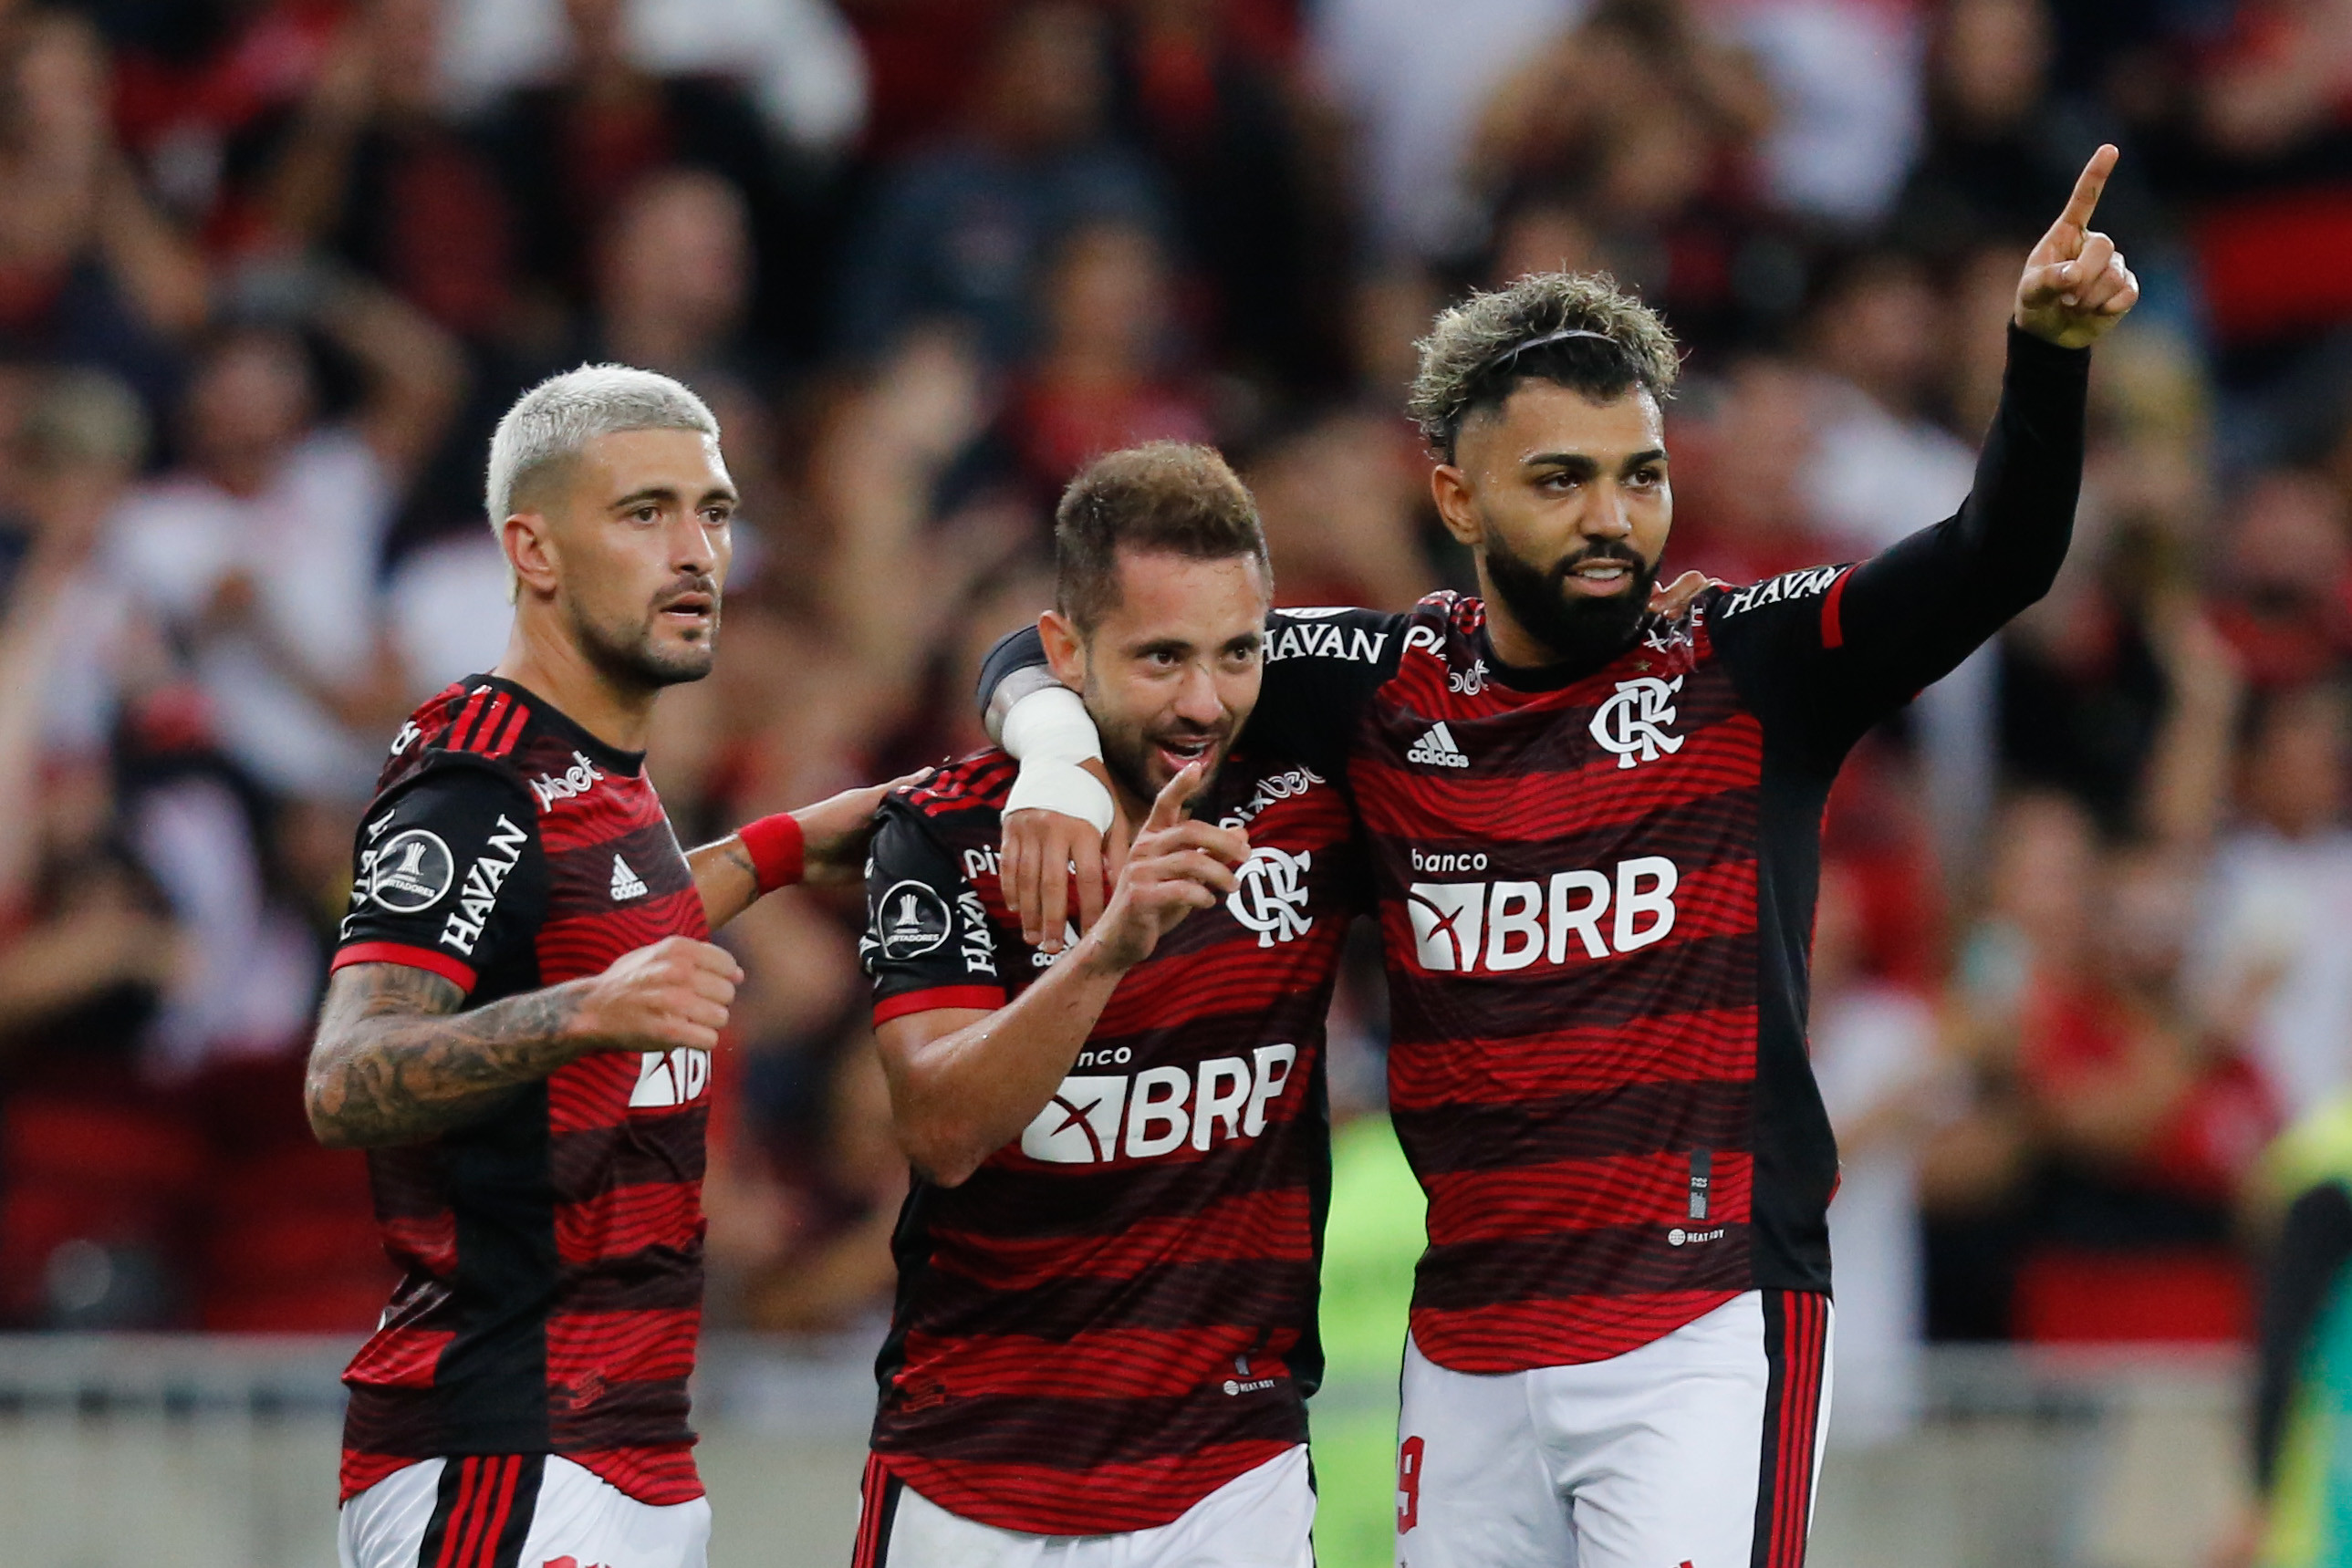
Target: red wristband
[779, 852]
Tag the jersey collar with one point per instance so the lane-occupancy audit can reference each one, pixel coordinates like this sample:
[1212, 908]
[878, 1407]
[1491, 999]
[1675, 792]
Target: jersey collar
[611, 758]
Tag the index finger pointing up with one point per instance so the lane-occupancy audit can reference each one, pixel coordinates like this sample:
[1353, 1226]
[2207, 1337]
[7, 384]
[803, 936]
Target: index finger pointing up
[1169, 810]
[2093, 180]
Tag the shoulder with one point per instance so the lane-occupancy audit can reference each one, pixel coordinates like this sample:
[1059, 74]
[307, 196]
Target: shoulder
[464, 740]
[961, 806]
[1724, 602]
[1333, 631]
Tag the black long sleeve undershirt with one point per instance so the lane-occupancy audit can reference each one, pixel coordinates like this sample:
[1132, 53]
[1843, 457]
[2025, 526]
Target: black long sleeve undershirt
[1820, 660]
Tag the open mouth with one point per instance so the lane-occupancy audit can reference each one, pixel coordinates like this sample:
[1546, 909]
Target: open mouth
[1599, 578]
[1180, 752]
[690, 609]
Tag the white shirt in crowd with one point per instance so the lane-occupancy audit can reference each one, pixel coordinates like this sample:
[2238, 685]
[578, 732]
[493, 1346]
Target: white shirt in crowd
[799, 57]
[311, 544]
[1416, 77]
[1846, 80]
[2279, 916]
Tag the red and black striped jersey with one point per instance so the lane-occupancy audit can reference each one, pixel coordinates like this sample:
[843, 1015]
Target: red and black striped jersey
[551, 1251]
[1115, 1315]
[1596, 891]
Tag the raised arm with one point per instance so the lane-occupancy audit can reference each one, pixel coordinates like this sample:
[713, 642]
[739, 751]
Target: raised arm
[395, 1061]
[1839, 649]
[965, 1081]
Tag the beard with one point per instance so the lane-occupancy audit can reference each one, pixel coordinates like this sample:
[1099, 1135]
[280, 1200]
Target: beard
[630, 656]
[1577, 630]
[1130, 754]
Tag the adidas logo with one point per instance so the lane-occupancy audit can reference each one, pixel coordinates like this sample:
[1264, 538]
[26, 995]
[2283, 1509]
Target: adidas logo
[1436, 748]
[626, 884]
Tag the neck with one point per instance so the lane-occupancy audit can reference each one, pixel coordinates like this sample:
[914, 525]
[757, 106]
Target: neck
[555, 667]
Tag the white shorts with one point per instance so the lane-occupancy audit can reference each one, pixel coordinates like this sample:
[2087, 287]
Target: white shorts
[528, 1510]
[1696, 1450]
[1263, 1518]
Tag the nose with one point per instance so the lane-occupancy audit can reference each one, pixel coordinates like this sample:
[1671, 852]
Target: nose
[1606, 517]
[693, 550]
[1198, 700]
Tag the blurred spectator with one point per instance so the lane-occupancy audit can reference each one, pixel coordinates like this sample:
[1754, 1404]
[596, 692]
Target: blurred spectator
[90, 273]
[2128, 1126]
[2275, 950]
[571, 152]
[1845, 80]
[798, 56]
[1875, 1054]
[1341, 500]
[375, 173]
[1257, 205]
[1882, 467]
[1744, 450]
[836, 1268]
[1105, 376]
[2286, 594]
[1414, 77]
[261, 550]
[963, 229]
[2002, 150]
[2274, 113]
[203, 92]
[1642, 119]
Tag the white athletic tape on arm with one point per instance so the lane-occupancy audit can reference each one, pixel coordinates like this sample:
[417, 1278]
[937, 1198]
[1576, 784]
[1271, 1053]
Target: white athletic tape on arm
[1050, 731]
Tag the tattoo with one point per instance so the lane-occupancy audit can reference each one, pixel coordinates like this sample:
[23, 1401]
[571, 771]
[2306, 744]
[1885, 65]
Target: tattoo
[396, 1062]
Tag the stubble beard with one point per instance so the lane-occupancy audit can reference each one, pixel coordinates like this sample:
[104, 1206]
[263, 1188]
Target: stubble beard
[631, 658]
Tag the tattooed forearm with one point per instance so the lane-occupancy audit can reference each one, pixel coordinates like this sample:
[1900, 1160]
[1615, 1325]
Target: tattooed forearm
[396, 1062]
[726, 878]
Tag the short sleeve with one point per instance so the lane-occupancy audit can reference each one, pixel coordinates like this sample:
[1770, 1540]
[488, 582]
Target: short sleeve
[440, 876]
[928, 943]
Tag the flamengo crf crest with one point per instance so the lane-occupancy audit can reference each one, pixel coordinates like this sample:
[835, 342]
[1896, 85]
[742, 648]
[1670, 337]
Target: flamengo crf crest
[1631, 723]
[1271, 900]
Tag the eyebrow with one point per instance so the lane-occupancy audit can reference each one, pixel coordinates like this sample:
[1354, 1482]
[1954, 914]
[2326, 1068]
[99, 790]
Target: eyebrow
[665, 495]
[1584, 463]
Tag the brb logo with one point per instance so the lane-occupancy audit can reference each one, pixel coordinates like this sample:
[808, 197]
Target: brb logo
[1092, 1120]
[1632, 724]
[1272, 899]
[1495, 927]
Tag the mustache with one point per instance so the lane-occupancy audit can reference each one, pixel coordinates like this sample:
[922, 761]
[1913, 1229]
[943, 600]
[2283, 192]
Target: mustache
[693, 582]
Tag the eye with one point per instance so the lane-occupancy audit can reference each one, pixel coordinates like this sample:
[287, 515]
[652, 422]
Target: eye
[648, 512]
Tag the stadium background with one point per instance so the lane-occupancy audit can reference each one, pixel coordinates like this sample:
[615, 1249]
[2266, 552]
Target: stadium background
[270, 269]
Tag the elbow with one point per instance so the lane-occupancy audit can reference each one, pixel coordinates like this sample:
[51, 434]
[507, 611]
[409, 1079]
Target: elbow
[943, 1155]
[331, 1131]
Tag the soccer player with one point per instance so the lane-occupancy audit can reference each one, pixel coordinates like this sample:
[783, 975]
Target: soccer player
[1105, 1329]
[521, 1016]
[1595, 846]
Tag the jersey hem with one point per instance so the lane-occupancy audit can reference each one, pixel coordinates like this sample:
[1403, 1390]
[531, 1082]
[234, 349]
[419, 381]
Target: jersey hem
[986, 1504]
[987, 998]
[460, 975]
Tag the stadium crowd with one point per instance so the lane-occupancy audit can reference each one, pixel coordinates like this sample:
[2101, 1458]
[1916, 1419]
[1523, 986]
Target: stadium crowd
[269, 268]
